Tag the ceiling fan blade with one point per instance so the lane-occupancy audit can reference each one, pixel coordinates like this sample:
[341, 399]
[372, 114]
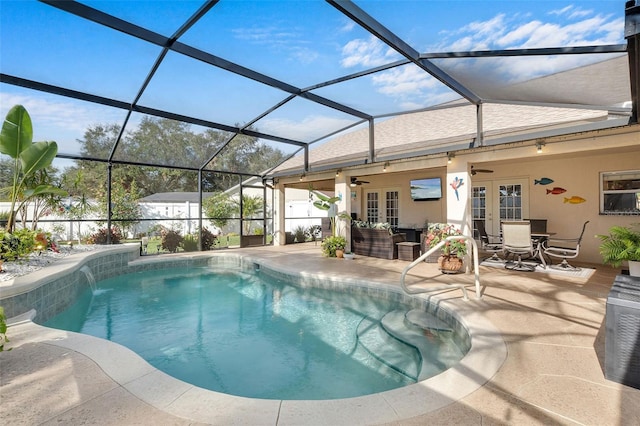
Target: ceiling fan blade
[474, 171]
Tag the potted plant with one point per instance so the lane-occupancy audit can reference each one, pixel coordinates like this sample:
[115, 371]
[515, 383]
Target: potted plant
[452, 252]
[622, 244]
[334, 246]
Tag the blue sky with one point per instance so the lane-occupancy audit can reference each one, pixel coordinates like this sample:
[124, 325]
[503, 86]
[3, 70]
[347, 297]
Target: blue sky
[300, 42]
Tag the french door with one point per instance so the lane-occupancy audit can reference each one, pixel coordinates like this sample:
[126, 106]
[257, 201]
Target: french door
[382, 206]
[500, 200]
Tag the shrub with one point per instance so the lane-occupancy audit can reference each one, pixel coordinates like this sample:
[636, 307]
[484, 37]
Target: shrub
[313, 232]
[189, 243]
[171, 240]
[300, 234]
[100, 237]
[3, 330]
[17, 244]
[208, 239]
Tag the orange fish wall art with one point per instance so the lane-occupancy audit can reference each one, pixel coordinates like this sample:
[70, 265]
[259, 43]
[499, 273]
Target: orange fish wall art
[574, 200]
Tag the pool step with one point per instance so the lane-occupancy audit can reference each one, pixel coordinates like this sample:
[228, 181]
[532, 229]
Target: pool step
[424, 320]
[390, 351]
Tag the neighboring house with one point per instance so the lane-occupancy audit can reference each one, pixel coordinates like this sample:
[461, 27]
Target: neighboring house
[298, 210]
[175, 210]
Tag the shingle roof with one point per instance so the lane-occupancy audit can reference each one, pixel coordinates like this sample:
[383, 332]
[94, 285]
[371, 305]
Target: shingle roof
[438, 129]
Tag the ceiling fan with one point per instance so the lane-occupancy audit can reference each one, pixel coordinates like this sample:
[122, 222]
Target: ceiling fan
[355, 181]
[474, 171]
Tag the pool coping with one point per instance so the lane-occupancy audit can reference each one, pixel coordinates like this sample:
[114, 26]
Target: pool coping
[487, 354]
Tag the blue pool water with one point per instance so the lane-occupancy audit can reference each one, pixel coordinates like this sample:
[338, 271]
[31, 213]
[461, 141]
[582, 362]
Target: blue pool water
[250, 335]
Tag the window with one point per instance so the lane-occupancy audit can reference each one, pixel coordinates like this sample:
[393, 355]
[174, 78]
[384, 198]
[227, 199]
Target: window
[620, 193]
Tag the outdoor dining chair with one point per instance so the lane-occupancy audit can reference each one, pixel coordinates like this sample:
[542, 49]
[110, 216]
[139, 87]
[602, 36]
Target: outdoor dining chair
[489, 243]
[516, 240]
[566, 248]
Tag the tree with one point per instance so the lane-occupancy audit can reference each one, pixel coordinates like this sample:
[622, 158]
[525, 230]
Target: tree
[79, 205]
[219, 208]
[252, 208]
[125, 210]
[28, 158]
[44, 203]
[164, 141]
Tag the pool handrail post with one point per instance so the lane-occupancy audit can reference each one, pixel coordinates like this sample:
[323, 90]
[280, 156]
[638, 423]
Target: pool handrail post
[476, 267]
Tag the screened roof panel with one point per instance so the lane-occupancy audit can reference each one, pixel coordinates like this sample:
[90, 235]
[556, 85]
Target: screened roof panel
[187, 86]
[399, 89]
[563, 79]
[162, 17]
[304, 120]
[61, 119]
[152, 140]
[487, 25]
[301, 43]
[73, 52]
[238, 153]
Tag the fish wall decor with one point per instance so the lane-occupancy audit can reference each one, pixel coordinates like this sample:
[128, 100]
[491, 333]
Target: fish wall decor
[542, 181]
[555, 191]
[574, 200]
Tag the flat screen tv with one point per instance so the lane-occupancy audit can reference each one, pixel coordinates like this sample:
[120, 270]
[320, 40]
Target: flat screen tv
[426, 189]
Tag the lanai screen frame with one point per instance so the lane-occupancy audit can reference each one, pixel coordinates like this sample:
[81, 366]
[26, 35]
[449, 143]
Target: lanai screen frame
[424, 61]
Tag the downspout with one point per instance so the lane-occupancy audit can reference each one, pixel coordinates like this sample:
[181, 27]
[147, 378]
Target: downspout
[372, 143]
[479, 126]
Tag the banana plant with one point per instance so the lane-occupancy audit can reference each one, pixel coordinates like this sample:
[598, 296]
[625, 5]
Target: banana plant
[28, 157]
[329, 204]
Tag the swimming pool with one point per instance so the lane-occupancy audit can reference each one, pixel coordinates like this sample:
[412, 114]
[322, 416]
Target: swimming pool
[247, 333]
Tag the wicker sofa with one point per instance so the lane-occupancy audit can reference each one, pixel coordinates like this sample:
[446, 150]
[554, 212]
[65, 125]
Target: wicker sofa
[375, 242]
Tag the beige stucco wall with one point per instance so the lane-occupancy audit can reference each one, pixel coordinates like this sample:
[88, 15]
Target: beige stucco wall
[574, 163]
[579, 174]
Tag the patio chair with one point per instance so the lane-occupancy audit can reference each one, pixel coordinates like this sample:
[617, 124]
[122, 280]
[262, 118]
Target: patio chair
[516, 240]
[489, 243]
[566, 248]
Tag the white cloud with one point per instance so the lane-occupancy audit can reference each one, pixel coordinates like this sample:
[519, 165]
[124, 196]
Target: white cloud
[289, 40]
[367, 53]
[571, 12]
[405, 80]
[307, 129]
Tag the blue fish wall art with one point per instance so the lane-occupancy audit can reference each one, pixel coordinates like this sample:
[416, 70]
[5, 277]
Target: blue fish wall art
[542, 181]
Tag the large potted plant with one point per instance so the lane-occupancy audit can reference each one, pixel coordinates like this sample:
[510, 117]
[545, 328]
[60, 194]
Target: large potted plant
[622, 244]
[334, 246]
[452, 252]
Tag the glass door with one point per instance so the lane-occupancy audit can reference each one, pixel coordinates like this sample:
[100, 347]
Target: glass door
[389, 212]
[500, 200]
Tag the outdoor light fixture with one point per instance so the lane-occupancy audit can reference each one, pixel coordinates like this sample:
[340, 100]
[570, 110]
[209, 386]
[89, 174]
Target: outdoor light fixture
[384, 168]
[338, 172]
[301, 177]
[450, 157]
[539, 146]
